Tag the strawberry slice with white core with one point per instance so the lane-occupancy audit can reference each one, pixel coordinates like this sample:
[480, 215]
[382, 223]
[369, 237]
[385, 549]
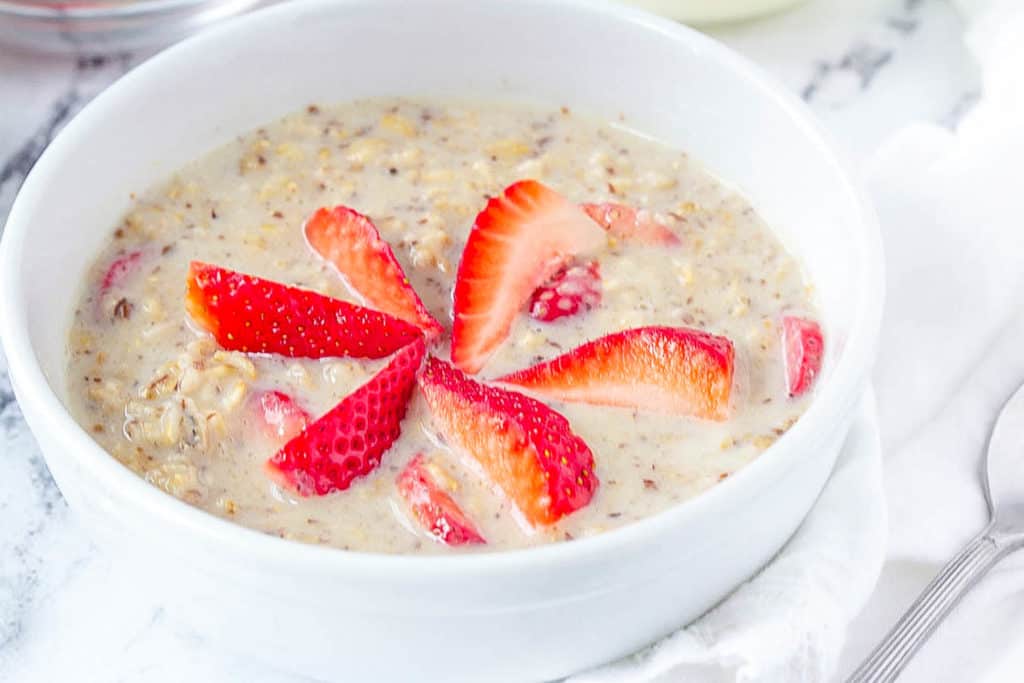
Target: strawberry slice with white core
[252, 315]
[433, 508]
[350, 241]
[804, 347]
[349, 441]
[628, 223]
[520, 239]
[526, 448]
[278, 415]
[672, 370]
[571, 290]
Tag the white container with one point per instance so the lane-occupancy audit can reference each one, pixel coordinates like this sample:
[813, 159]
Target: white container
[535, 614]
[702, 12]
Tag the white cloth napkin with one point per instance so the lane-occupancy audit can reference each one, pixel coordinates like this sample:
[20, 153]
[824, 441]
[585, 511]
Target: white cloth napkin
[952, 211]
[952, 350]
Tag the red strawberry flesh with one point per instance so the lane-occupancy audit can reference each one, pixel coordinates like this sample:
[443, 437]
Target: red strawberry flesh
[804, 347]
[117, 275]
[433, 508]
[350, 241]
[520, 239]
[628, 223]
[349, 441]
[572, 290]
[278, 415]
[252, 315]
[526, 448]
[120, 269]
[671, 370]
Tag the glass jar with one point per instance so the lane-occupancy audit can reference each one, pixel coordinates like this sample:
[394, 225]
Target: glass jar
[104, 26]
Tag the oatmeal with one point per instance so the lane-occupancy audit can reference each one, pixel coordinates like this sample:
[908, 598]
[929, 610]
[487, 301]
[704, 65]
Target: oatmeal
[671, 263]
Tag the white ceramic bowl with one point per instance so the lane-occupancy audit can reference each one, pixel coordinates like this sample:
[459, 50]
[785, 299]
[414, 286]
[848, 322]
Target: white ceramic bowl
[524, 615]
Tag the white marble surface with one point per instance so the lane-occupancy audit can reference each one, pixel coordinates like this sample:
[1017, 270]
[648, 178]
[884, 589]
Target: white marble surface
[867, 67]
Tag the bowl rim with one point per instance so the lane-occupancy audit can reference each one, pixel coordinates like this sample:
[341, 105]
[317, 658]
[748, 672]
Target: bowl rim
[836, 398]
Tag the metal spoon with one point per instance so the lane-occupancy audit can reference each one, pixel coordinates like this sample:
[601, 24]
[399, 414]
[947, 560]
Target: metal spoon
[1004, 491]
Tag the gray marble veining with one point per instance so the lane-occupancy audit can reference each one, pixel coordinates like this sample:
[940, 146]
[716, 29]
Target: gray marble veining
[866, 57]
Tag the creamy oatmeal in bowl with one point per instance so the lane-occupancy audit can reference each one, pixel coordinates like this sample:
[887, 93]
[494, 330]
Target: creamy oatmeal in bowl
[410, 326]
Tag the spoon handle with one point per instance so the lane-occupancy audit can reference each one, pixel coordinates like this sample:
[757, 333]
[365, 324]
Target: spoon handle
[959, 575]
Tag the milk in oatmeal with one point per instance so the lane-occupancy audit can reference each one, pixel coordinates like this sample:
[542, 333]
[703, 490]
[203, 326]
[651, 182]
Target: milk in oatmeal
[167, 402]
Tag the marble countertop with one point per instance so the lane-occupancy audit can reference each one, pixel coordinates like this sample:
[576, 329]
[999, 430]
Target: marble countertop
[866, 67]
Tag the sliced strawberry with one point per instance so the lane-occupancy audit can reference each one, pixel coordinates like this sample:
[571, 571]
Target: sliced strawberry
[569, 291]
[120, 270]
[518, 241]
[350, 439]
[804, 346]
[434, 509]
[112, 299]
[626, 222]
[526, 448]
[252, 315]
[662, 369]
[350, 241]
[278, 415]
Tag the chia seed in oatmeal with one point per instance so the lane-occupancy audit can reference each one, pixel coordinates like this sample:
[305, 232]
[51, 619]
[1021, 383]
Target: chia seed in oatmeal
[169, 402]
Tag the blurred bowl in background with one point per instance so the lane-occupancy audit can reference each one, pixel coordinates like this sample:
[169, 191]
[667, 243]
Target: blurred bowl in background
[76, 26]
[105, 26]
[702, 12]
